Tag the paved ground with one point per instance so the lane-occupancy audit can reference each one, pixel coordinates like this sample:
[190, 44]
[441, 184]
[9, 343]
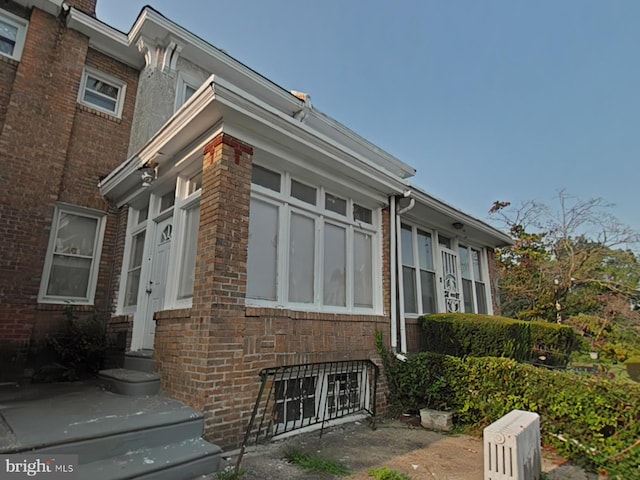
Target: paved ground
[419, 453]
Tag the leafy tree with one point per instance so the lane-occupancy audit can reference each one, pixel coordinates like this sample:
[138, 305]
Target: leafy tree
[571, 259]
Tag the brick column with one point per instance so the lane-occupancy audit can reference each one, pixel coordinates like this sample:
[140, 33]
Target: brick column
[201, 352]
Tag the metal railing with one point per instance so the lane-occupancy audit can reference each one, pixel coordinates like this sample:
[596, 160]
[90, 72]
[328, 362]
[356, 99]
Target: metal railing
[299, 396]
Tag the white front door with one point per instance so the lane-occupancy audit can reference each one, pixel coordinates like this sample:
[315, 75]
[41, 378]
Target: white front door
[158, 278]
[450, 280]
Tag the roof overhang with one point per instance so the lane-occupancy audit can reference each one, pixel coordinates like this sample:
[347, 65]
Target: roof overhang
[435, 213]
[222, 106]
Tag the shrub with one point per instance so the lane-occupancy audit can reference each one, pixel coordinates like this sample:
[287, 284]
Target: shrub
[591, 420]
[79, 349]
[633, 368]
[463, 334]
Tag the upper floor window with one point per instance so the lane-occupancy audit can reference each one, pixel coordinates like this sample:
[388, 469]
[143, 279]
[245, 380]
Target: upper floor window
[102, 92]
[186, 86]
[71, 266]
[13, 31]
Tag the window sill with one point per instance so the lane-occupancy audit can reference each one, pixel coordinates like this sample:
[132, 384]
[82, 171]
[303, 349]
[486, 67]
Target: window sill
[257, 311]
[99, 113]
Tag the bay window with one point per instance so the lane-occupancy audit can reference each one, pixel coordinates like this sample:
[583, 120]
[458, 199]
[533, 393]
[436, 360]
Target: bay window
[308, 248]
[71, 266]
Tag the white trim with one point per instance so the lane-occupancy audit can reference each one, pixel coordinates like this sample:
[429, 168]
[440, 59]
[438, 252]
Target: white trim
[101, 218]
[22, 25]
[113, 81]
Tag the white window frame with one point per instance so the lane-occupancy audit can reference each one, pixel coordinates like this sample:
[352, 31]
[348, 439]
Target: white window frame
[22, 25]
[95, 263]
[484, 274]
[184, 80]
[435, 249]
[288, 204]
[113, 81]
[134, 228]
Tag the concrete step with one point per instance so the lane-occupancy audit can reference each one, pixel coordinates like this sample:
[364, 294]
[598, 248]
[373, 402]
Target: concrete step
[130, 382]
[181, 460]
[141, 360]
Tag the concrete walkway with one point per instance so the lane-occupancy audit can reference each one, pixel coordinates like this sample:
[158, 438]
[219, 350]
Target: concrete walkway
[414, 451]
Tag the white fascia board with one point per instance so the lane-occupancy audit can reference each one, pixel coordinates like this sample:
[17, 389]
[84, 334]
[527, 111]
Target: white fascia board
[52, 7]
[106, 39]
[269, 91]
[404, 170]
[458, 215]
[229, 95]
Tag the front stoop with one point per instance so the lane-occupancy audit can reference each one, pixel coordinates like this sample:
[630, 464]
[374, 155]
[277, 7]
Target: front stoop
[130, 382]
[115, 437]
[141, 360]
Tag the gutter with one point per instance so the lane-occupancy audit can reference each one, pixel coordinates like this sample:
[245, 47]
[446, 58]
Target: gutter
[398, 227]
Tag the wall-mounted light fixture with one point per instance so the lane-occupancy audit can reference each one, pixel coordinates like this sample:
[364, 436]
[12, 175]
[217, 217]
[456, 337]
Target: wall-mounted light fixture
[148, 173]
[457, 225]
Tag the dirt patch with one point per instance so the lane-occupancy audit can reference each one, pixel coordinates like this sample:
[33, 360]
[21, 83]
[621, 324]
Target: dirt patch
[419, 453]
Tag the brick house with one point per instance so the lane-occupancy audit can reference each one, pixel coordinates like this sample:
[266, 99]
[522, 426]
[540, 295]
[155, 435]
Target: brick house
[226, 221]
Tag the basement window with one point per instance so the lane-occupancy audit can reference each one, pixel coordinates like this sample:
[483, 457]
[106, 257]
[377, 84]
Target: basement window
[13, 31]
[102, 92]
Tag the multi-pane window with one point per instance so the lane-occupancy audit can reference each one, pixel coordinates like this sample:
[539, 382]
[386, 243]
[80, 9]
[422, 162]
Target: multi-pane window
[295, 400]
[473, 287]
[303, 250]
[13, 31]
[135, 267]
[418, 271]
[102, 92]
[343, 393]
[72, 261]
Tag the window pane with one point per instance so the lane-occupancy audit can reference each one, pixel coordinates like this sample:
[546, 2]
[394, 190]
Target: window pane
[335, 204]
[263, 251]
[334, 265]
[427, 279]
[467, 292]
[195, 183]
[265, 178]
[133, 286]
[69, 277]
[407, 245]
[168, 200]
[362, 214]
[102, 87]
[425, 253]
[188, 92]
[303, 192]
[76, 235]
[444, 241]
[143, 213]
[409, 287]
[482, 298]
[362, 270]
[463, 255]
[99, 101]
[8, 37]
[137, 249]
[475, 257]
[301, 259]
[188, 267]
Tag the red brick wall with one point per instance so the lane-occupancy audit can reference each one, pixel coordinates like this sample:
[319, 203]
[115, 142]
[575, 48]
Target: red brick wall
[53, 150]
[87, 6]
[210, 355]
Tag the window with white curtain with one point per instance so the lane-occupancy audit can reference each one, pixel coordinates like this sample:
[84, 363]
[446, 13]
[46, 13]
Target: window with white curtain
[308, 247]
[71, 266]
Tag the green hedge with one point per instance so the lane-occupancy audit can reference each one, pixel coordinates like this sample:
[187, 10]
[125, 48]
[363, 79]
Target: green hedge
[471, 335]
[593, 421]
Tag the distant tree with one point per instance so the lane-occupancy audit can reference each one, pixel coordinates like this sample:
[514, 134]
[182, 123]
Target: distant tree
[565, 259]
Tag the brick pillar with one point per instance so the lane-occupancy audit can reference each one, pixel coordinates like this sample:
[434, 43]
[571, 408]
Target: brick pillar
[34, 141]
[87, 6]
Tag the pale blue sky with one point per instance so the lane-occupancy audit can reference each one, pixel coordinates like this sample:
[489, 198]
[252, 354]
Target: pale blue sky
[488, 100]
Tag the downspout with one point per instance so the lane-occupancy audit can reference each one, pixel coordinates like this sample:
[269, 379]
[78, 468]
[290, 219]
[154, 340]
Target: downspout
[393, 266]
[403, 323]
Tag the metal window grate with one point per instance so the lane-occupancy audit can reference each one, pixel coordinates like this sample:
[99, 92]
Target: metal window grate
[298, 396]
